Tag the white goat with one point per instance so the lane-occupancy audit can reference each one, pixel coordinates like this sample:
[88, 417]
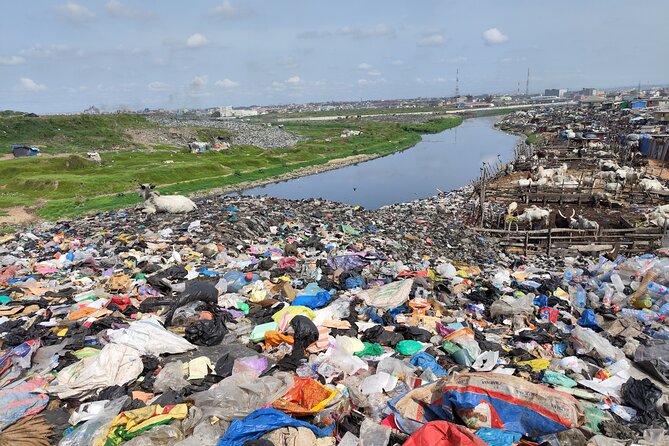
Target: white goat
[653, 185]
[550, 173]
[660, 216]
[613, 187]
[608, 165]
[172, 204]
[532, 214]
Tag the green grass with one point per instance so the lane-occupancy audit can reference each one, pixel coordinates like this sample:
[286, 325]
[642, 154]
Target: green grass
[533, 138]
[67, 186]
[63, 133]
[434, 125]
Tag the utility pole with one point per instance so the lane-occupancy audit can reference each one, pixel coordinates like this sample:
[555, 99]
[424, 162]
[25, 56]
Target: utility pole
[457, 82]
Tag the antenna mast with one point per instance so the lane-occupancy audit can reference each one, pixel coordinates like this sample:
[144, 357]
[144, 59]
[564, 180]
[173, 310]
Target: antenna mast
[457, 82]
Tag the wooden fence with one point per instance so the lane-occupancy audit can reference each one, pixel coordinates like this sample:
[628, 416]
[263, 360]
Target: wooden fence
[557, 241]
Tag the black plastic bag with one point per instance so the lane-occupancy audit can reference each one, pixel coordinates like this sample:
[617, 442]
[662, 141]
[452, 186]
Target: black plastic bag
[641, 394]
[206, 332]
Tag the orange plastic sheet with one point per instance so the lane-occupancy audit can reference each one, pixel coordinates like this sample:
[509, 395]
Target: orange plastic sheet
[307, 396]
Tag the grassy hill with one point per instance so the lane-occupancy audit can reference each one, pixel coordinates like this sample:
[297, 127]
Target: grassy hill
[64, 183]
[65, 133]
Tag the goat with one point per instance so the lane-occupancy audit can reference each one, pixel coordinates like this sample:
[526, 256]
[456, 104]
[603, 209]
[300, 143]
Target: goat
[564, 222]
[651, 185]
[532, 214]
[508, 169]
[583, 223]
[550, 173]
[660, 216]
[608, 175]
[613, 187]
[172, 204]
[608, 165]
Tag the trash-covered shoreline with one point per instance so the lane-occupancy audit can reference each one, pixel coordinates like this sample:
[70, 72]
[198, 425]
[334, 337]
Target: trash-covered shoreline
[263, 321]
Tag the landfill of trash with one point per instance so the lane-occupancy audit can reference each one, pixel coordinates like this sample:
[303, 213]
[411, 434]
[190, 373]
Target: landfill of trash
[263, 321]
[244, 133]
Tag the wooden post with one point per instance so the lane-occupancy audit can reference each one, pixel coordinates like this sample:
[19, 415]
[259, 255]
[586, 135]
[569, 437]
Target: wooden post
[482, 197]
[550, 241]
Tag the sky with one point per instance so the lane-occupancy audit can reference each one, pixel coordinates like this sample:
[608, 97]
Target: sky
[64, 56]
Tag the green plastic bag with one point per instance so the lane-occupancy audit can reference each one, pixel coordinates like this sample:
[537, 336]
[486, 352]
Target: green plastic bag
[370, 350]
[558, 379]
[408, 347]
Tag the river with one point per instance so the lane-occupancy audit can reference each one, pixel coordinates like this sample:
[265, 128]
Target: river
[444, 161]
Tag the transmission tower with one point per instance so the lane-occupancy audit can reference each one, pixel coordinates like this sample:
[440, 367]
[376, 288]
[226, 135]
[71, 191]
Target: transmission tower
[457, 82]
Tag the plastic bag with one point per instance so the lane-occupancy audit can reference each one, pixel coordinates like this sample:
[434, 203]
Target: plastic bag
[157, 436]
[306, 397]
[387, 296]
[585, 341]
[409, 347]
[374, 434]
[94, 431]
[264, 420]
[378, 383]
[239, 395]
[443, 433]
[498, 437]
[207, 331]
[427, 362]
[465, 338]
[149, 337]
[171, 377]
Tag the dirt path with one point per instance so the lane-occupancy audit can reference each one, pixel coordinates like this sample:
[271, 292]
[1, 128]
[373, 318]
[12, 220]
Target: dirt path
[17, 216]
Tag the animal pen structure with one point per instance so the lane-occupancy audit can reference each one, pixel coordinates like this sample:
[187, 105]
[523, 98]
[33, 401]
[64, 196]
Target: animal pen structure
[492, 199]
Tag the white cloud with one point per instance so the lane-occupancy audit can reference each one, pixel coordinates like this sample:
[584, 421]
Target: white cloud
[12, 60]
[227, 83]
[397, 62]
[197, 40]
[76, 13]
[158, 86]
[227, 10]
[294, 80]
[432, 40]
[493, 36]
[374, 73]
[364, 66]
[199, 81]
[456, 60]
[120, 11]
[30, 85]
[59, 50]
[418, 80]
[366, 82]
[351, 31]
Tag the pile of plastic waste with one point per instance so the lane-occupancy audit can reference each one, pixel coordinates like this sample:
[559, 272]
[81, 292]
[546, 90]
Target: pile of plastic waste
[274, 322]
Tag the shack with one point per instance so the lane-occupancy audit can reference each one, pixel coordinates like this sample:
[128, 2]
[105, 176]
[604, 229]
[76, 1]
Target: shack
[22, 150]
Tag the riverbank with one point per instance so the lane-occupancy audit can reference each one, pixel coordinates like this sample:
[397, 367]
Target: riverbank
[72, 186]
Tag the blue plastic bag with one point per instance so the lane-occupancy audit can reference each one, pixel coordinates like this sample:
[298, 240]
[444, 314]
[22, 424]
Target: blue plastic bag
[497, 437]
[426, 361]
[588, 319]
[321, 299]
[260, 421]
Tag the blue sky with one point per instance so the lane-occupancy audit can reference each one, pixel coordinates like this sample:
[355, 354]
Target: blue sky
[67, 55]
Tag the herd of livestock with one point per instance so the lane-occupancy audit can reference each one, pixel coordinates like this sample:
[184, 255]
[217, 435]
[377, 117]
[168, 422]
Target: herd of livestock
[599, 162]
